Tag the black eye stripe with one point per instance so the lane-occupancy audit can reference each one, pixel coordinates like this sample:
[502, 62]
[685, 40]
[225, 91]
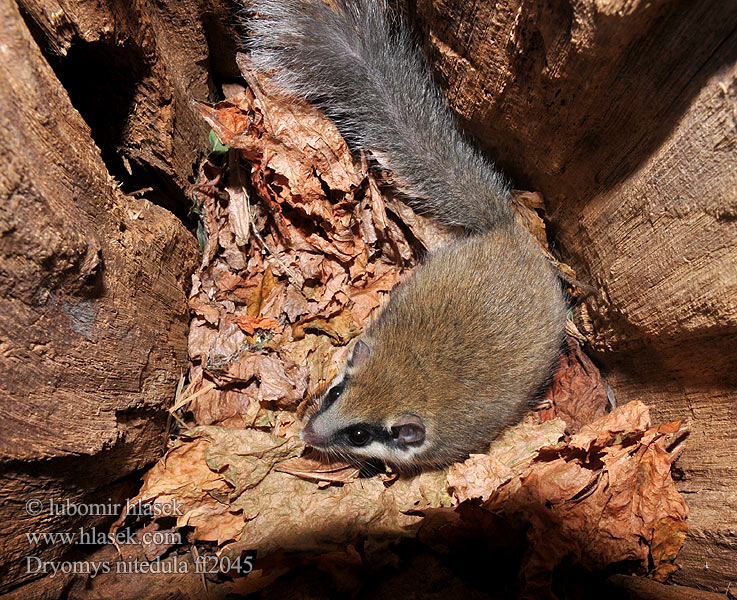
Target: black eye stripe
[332, 395]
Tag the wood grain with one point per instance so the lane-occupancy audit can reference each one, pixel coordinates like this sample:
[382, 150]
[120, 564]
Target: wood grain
[623, 114]
[94, 316]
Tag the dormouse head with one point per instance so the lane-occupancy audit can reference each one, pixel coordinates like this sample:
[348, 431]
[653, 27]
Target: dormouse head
[357, 417]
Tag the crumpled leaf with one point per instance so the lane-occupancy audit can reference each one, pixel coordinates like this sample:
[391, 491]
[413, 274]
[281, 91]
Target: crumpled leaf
[667, 541]
[184, 477]
[233, 492]
[600, 499]
[481, 475]
[262, 291]
[243, 457]
[603, 497]
[526, 205]
[210, 469]
[578, 391]
[251, 324]
[340, 327]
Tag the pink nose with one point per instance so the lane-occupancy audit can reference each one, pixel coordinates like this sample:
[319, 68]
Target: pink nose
[309, 437]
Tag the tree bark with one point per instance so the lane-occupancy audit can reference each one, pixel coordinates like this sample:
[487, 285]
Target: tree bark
[94, 312]
[623, 115]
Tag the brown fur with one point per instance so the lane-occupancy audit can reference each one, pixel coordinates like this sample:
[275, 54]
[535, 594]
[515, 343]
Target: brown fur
[464, 344]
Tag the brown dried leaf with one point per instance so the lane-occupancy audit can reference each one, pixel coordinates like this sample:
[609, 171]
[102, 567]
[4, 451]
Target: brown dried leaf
[205, 309]
[631, 418]
[339, 327]
[183, 476]
[667, 541]
[578, 391]
[250, 324]
[227, 118]
[599, 499]
[233, 492]
[509, 456]
[281, 381]
[262, 291]
[368, 297]
[300, 135]
[243, 457]
[303, 517]
[317, 469]
[526, 205]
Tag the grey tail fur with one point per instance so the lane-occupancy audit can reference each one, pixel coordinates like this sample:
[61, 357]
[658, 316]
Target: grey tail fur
[360, 65]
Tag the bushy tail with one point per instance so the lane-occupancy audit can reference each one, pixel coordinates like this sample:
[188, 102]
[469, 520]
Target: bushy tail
[357, 63]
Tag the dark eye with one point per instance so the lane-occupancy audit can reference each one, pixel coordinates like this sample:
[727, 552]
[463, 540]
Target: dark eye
[333, 394]
[359, 437]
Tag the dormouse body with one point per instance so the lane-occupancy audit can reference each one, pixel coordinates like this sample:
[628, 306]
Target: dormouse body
[466, 343]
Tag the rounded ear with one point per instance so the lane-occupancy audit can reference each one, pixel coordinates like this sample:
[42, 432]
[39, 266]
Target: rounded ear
[359, 355]
[409, 429]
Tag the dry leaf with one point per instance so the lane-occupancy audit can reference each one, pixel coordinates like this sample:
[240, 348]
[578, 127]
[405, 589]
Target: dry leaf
[262, 291]
[250, 324]
[317, 469]
[578, 391]
[510, 455]
[599, 500]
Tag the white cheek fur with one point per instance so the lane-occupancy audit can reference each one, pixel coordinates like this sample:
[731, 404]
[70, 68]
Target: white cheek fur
[392, 455]
[372, 450]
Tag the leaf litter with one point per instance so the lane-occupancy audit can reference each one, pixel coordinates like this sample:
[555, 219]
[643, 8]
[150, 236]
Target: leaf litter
[304, 244]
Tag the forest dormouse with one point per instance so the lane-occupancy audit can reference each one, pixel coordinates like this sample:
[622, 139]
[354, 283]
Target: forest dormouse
[467, 342]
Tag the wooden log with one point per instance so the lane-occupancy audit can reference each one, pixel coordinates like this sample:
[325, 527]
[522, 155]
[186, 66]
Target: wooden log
[132, 70]
[623, 115]
[94, 315]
